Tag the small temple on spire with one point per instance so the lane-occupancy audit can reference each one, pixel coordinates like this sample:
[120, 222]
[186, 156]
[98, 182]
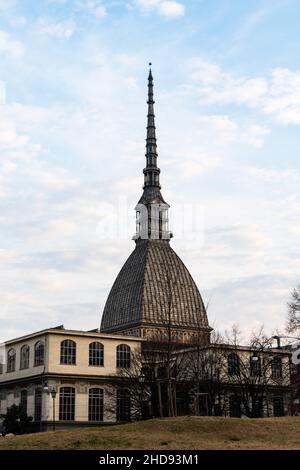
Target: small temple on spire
[138, 303]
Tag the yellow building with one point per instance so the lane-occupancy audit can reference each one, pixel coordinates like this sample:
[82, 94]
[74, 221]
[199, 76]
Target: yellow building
[62, 375]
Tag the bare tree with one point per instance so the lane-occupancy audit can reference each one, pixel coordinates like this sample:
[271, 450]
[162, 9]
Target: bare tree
[133, 386]
[205, 368]
[255, 371]
[294, 312]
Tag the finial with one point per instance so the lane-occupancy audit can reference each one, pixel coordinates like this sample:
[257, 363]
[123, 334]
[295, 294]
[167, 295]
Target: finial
[150, 63]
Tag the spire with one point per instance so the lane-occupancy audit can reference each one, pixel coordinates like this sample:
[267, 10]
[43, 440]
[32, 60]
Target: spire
[151, 171]
[151, 210]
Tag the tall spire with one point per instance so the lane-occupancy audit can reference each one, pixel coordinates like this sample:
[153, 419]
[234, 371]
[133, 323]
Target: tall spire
[151, 210]
[151, 171]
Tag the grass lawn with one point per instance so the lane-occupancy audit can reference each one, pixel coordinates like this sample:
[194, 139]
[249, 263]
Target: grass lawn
[170, 433]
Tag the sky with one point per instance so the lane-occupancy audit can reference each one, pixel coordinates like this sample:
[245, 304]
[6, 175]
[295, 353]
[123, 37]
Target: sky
[73, 83]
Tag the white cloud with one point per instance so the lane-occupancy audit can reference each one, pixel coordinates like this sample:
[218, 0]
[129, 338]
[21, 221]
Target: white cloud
[62, 30]
[167, 8]
[232, 131]
[276, 95]
[96, 8]
[274, 175]
[10, 46]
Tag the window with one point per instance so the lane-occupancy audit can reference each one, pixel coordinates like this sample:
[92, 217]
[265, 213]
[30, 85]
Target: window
[278, 406]
[235, 406]
[138, 222]
[257, 408]
[276, 366]
[39, 353]
[96, 404]
[96, 354]
[1, 364]
[123, 404]
[11, 360]
[67, 404]
[23, 400]
[24, 357]
[68, 352]
[123, 356]
[255, 366]
[38, 397]
[233, 364]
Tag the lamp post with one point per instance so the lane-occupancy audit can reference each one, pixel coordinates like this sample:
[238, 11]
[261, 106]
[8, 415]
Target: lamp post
[52, 391]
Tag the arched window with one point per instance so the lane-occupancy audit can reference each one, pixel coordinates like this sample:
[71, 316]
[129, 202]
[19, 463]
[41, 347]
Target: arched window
[38, 401]
[276, 366]
[23, 400]
[235, 406]
[39, 353]
[24, 357]
[123, 404]
[123, 356]
[11, 360]
[233, 364]
[68, 352]
[96, 354]
[96, 404]
[67, 404]
[255, 366]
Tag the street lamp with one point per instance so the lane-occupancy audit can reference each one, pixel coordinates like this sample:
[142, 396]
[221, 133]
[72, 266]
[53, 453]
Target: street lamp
[52, 391]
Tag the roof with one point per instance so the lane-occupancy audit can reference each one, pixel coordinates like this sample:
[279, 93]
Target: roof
[61, 331]
[141, 291]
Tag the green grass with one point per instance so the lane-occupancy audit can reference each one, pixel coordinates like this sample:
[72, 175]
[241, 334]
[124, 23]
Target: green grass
[170, 433]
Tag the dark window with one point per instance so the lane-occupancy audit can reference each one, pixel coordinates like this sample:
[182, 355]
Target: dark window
[233, 364]
[23, 400]
[278, 406]
[123, 356]
[38, 405]
[68, 352]
[235, 406]
[67, 404]
[96, 354]
[1, 364]
[257, 408]
[96, 404]
[276, 366]
[39, 353]
[11, 360]
[123, 404]
[255, 366]
[24, 357]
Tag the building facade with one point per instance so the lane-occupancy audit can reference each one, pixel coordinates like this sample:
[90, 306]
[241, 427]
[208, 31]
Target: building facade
[66, 376]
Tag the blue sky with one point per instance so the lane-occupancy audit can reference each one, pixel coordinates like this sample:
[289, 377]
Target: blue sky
[72, 129]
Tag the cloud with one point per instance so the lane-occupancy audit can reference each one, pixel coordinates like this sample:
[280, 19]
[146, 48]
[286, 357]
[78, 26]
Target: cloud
[232, 131]
[277, 94]
[10, 46]
[276, 176]
[62, 30]
[96, 8]
[167, 8]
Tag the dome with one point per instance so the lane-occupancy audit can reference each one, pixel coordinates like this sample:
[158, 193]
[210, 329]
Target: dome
[154, 288]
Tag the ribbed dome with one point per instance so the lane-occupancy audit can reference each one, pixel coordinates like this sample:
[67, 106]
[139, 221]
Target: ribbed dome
[141, 292]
